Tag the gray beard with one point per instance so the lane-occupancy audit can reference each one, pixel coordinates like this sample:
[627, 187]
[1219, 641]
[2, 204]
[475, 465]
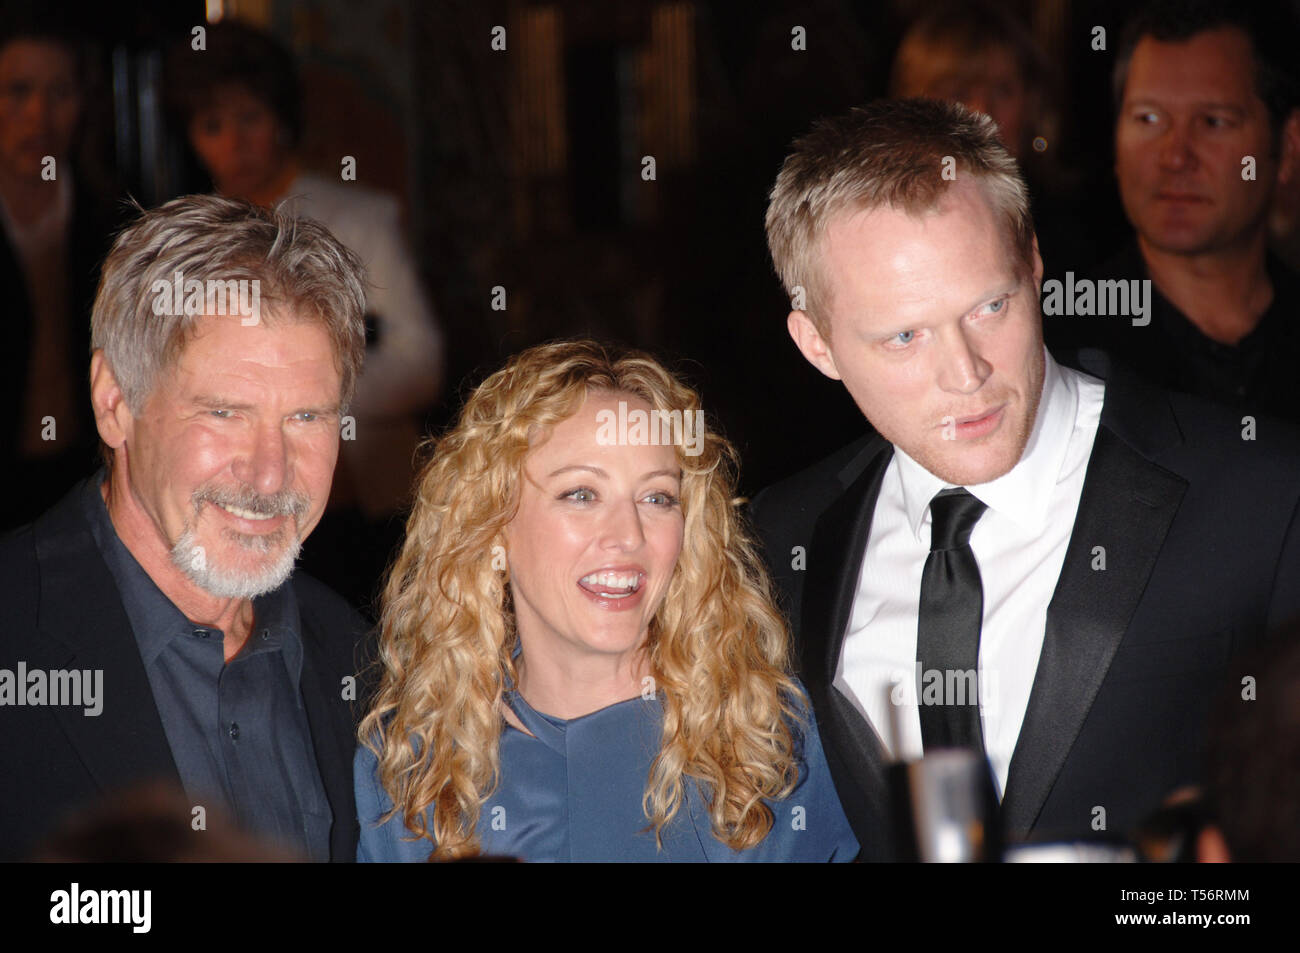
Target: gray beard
[226, 583]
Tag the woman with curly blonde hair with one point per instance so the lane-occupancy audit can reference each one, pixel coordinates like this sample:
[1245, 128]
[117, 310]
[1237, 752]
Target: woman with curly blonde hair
[581, 659]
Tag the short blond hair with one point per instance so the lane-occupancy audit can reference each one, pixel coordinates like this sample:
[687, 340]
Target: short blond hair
[892, 154]
[305, 273]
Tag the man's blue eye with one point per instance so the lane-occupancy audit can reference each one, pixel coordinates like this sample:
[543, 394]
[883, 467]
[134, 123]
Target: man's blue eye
[996, 306]
[904, 337]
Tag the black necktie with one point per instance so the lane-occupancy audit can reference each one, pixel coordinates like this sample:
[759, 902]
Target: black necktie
[948, 626]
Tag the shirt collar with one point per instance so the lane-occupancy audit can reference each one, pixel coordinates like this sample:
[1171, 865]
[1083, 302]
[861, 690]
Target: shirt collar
[1024, 493]
[154, 618]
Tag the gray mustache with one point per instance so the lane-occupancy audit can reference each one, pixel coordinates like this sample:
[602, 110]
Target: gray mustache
[284, 503]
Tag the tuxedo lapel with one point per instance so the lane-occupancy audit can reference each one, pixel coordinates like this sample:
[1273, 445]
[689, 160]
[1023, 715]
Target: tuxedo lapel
[835, 555]
[1126, 508]
[83, 625]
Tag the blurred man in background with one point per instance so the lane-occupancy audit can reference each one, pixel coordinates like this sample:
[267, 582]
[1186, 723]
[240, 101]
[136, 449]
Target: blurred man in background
[54, 230]
[1206, 133]
[980, 55]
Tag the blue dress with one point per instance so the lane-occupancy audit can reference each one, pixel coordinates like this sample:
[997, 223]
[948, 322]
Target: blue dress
[573, 793]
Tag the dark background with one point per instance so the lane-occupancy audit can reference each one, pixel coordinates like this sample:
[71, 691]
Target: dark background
[522, 168]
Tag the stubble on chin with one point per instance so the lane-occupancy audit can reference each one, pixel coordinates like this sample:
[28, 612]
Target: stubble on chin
[960, 468]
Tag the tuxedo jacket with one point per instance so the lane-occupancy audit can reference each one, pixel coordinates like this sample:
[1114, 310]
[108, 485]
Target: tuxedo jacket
[62, 610]
[1185, 551]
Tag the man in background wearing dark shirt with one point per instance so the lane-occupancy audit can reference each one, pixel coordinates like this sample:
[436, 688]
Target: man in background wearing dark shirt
[155, 628]
[55, 228]
[1206, 132]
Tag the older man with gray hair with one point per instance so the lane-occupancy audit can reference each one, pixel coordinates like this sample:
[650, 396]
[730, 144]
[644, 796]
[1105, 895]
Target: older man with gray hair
[156, 628]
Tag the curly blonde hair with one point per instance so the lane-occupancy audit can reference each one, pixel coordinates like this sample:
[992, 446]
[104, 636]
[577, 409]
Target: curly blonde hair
[718, 648]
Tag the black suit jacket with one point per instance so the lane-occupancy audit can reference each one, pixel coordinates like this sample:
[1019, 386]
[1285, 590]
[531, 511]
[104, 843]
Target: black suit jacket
[1202, 558]
[62, 611]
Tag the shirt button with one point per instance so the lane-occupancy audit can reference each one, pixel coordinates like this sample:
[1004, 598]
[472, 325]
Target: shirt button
[234, 731]
[201, 633]
[266, 634]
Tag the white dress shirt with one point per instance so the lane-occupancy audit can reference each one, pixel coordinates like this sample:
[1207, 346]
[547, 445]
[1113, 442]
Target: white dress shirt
[1020, 545]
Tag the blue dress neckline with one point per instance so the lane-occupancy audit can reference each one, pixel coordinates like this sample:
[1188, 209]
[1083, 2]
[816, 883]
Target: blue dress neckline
[552, 730]
[574, 789]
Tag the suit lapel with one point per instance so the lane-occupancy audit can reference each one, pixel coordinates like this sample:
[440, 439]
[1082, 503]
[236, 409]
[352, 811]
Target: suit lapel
[84, 626]
[835, 555]
[1126, 507]
[331, 736]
